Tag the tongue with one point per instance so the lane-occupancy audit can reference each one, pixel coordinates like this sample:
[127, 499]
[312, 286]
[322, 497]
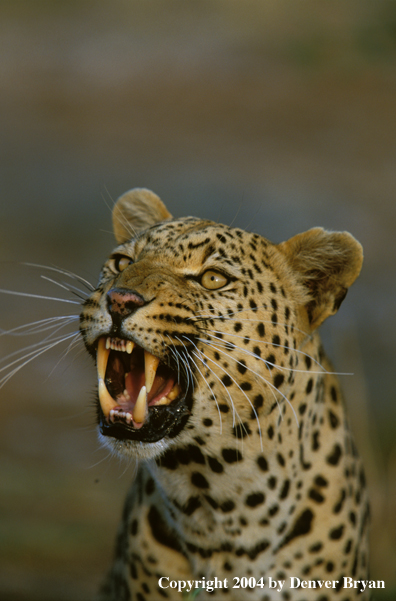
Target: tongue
[159, 389]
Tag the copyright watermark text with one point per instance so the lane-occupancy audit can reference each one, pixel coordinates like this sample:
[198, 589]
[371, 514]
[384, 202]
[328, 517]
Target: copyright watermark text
[188, 586]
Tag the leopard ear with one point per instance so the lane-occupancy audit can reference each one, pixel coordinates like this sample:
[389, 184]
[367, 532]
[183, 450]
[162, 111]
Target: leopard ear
[136, 210]
[326, 264]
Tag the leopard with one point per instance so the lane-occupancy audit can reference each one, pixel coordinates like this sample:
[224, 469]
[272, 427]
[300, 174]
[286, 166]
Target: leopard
[212, 378]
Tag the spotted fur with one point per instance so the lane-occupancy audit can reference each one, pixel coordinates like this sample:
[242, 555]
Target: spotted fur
[258, 475]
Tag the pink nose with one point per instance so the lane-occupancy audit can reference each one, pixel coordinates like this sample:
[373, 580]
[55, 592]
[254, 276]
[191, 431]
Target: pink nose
[122, 303]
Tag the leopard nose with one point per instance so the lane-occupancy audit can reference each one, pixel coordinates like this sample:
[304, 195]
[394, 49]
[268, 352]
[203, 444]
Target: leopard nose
[122, 303]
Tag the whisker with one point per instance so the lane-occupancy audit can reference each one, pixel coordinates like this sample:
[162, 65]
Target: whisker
[212, 394]
[176, 356]
[73, 289]
[234, 411]
[243, 392]
[304, 371]
[254, 218]
[29, 295]
[221, 340]
[82, 411]
[229, 317]
[73, 343]
[30, 357]
[65, 272]
[187, 369]
[272, 390]
[127, 466]
[236, 215]
[109, 455]
[213, 345]
[180, 359]
[47, 339]
[122, 220]
[184, 362]
[37, 327]
[32, 347]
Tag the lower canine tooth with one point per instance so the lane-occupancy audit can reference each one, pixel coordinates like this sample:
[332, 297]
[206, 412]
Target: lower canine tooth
[164, 401]
[174, 392]
[140, 409]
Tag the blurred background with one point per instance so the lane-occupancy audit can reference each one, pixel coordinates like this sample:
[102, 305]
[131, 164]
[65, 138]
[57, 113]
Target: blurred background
[277, 116]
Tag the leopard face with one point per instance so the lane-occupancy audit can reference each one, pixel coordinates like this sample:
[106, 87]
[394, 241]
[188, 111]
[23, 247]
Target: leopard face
[181, 318]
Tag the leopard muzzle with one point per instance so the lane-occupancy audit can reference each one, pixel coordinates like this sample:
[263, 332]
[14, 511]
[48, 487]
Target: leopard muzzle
[140, 397]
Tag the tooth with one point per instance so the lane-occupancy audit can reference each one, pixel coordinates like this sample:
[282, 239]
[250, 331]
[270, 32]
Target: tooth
[106, 402]
[128, 418]
[139, 411]
[108, 342]
[150, 369]
[129, 347]
[102, 356]
[174, 392]
[163, 401]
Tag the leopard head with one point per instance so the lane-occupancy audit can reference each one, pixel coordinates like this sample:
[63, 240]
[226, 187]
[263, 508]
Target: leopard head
[193, 320]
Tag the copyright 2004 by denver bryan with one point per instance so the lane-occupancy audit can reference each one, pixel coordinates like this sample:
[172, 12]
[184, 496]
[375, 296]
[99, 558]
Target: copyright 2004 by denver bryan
[191, 588]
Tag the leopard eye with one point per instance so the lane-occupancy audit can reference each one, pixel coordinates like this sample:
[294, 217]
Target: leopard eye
[120, 262]
[212, 280]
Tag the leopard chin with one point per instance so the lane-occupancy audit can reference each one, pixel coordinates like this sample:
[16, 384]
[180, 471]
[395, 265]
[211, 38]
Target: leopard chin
[140, 398]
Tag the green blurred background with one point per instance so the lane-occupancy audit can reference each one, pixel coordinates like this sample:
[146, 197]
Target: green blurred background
[277, 115]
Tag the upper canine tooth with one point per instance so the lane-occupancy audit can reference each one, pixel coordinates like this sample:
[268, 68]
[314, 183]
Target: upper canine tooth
[129, 347]
[107, 403]
[102, 356]
[140, 409]
[150, 369]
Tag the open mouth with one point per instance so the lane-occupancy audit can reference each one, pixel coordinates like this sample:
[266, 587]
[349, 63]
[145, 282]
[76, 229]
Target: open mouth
[139, 396]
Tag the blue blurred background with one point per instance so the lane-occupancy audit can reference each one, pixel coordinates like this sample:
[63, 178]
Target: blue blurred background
[273, 115]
